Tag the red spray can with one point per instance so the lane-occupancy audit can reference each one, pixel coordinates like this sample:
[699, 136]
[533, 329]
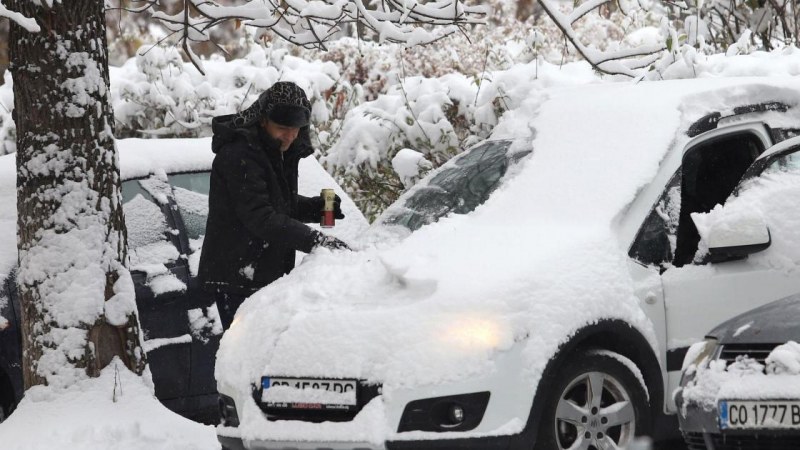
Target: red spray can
[327, 220]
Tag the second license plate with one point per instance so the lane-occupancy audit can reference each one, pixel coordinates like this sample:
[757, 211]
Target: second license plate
[759, 414]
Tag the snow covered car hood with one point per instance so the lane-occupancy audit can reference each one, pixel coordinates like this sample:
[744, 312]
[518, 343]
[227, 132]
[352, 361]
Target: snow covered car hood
[535, 263]
[772, 323]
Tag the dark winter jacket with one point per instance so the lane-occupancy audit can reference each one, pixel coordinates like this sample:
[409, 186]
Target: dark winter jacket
[255, 215]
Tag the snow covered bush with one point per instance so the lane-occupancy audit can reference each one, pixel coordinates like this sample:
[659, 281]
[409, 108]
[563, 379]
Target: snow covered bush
[157, 94]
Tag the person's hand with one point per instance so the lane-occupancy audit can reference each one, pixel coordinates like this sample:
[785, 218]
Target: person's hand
[318, 203]
[331, 243]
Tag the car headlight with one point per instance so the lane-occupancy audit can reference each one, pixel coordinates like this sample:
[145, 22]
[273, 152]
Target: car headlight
[477, 333]
[699, 353]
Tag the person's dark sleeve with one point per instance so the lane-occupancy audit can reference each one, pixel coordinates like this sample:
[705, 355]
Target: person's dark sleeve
[309, 209]
[245, 181]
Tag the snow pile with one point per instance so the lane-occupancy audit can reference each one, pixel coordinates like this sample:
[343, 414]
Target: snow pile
[747, 379]
[8, 131]
[780, 62]
[410, 165]
[116, 410]
[8, 219]
[784, 359]
[157, 94]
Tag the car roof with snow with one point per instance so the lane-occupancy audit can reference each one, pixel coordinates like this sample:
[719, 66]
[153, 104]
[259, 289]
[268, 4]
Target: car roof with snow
[142, 157]
[551, 228]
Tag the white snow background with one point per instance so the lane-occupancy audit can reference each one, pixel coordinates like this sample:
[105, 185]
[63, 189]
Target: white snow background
[85, 415]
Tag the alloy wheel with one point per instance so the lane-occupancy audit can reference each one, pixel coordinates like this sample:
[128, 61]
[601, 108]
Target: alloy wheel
[594, 412]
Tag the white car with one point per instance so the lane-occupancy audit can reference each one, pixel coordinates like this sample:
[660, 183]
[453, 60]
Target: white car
[538, 291]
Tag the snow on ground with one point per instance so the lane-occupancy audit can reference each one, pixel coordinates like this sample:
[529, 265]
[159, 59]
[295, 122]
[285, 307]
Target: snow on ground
[116, 411]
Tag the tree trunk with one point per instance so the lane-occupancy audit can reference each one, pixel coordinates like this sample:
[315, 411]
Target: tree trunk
[78, 306]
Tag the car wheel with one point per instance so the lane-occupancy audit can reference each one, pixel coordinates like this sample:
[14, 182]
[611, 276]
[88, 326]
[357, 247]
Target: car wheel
[597, 402]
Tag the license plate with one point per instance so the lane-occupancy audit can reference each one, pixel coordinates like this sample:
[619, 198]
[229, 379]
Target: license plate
[308, 393]
[767, 414]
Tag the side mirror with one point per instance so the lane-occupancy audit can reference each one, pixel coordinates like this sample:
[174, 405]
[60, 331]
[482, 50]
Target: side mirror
[733, 236]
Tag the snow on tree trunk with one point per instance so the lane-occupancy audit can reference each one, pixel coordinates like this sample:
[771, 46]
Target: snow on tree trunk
[77, 297]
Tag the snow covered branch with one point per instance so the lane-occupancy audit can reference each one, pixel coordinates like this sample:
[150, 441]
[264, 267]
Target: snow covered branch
[311, 23]
[25, 22]
[612, 62]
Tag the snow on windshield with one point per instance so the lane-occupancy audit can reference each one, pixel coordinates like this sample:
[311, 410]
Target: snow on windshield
[459, 187]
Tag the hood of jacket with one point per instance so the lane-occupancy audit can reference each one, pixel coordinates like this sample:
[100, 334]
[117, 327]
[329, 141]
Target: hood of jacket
[246, 124]
[229, 129]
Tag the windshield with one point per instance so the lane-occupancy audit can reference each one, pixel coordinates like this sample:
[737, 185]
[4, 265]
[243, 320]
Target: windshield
[457, 187]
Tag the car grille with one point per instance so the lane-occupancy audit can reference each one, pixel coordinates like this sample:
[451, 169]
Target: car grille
[696, 441]
[759, 352]
[366, 392]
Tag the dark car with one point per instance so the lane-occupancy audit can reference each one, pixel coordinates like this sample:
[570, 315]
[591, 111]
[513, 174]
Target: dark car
[741, 387]
[165, 201]
[165, 218]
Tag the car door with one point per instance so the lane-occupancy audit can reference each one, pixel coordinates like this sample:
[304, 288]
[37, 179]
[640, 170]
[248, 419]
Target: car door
[701, 293]
[191, 198]
[661, 241]
[160, 276]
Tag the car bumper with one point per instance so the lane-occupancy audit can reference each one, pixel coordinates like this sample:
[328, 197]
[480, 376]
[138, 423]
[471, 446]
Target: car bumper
[694, 418]
[488, 443]
[701, 431]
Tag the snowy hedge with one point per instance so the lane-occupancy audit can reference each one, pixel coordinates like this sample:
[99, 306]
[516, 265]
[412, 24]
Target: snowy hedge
[365, 110]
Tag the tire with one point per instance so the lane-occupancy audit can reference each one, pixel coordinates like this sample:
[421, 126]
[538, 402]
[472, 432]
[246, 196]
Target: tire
[573, 418]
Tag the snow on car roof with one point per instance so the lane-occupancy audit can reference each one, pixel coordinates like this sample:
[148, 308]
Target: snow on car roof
[536, 262]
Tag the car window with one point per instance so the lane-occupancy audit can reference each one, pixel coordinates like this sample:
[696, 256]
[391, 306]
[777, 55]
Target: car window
[148, 231]
[787, 163]
[458, 187]
[143, 217]
[710, 173]
[656, 239]
[191, 196]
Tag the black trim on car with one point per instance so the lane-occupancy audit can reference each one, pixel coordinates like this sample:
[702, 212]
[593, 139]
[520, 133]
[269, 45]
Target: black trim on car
[484, 443]
[765, 440]
[737, 252]
[434, 414]
[675, 358]
[711, 121]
